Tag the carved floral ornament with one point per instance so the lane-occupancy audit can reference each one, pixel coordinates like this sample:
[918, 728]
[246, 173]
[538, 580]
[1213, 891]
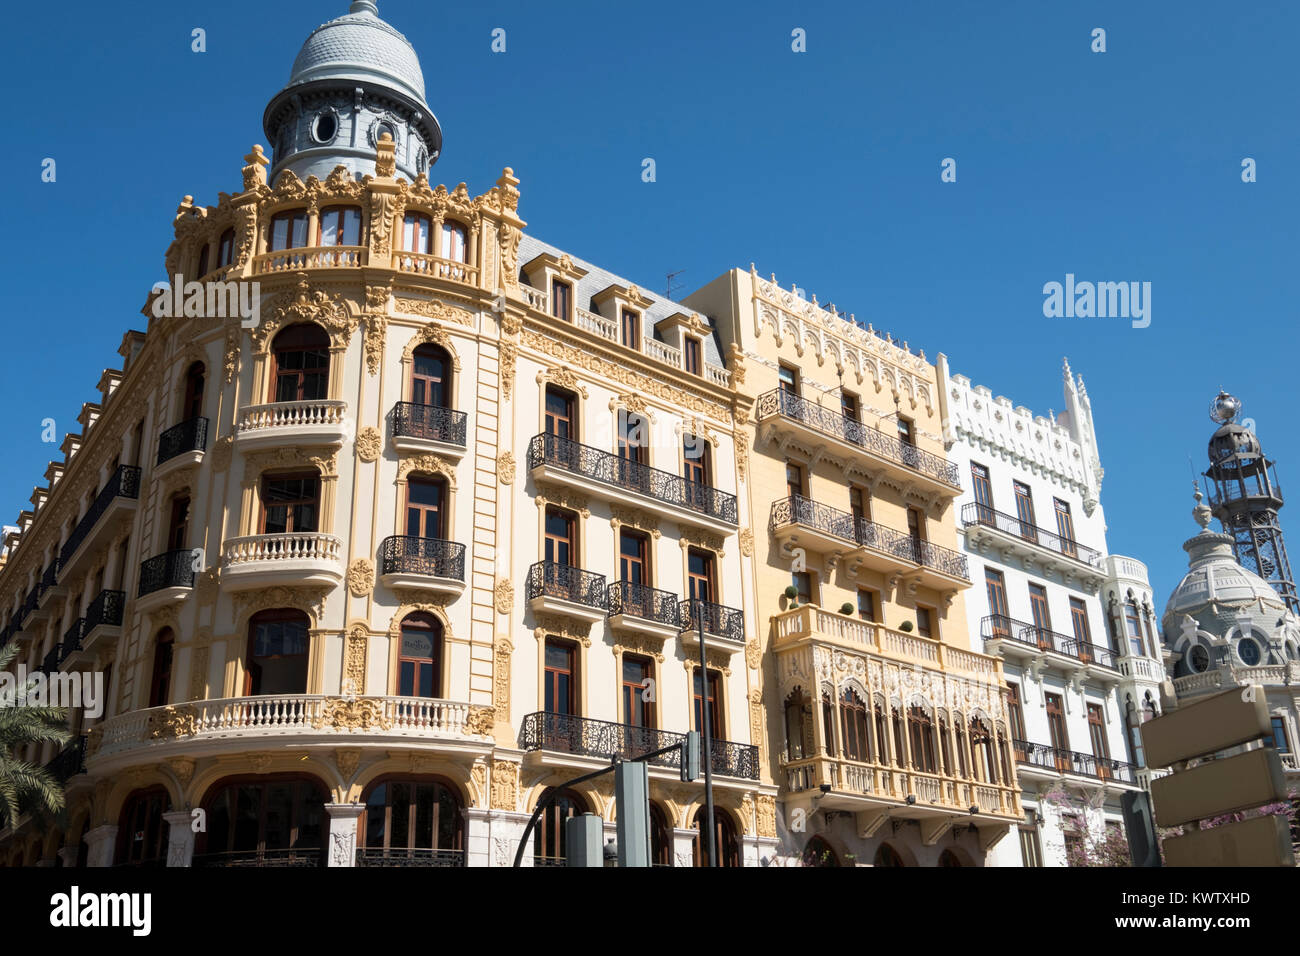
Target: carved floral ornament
[563, 377]
[429, 465]
[409, 607]
[634, 518]
[369, 444]
[310, 600]
[323, 458]
[555, 625]
[303, 304]
[361, 577]
[433, 309]
[506, 467]
[431, 334]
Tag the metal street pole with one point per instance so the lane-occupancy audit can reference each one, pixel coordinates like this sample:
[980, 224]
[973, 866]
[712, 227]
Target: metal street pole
[706, 746]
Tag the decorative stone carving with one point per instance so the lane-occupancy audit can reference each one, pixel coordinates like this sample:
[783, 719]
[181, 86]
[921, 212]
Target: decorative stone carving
[634, 518]
[308, 599]
[433, 309]
[356, 645]
[369, 444]
[700, 538]
[753, 654]
[556, 625]
[509, 355]
[548, 494]
[765, 807]
[305, 305]
[183, 767]
[347, 762]
[506, 467]
[376, 338]
[479, 721]
[199, 673]
[563, 377]
[505, 785]
[501, 676]
[478, 781]
[756, 720]
[504, 596]
[641, 644]
[261, 762]
[361, 577]
[322, 458]
[746, 542]
[428, 464]
[342, 713]
[172, 721]
[411, 599]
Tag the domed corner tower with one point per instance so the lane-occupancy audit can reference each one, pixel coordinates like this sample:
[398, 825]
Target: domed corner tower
[1246, 498]
[355, 78]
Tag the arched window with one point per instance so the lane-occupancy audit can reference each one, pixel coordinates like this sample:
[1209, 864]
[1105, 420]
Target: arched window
[828, 722]
[277, 821]
[959, 730]
[194, 381]
[549, 841]
[886, 855]
[726, 847]
[1198, 658]
[945, 745]
[661, 837]
[981, 743]
[340, 226]
[819, 853]
[853, 726]
[454, 244]
[143, 834]
[431, 377]
[226, 249]
[417, 233]
[202, 269]
[1133, 626]
[921, 730]
[419, 662]
[415, 820]
[161, 679]
[882, 730]
[276, 662]
[302, 363]
[900, 743]
[288, 230]
[794, 729]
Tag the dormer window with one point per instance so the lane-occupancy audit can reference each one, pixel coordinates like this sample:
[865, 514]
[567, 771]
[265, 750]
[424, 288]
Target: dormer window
[454, 244]
[691, 353]
[340, 226]
[631, 327]
[289, 230]
[561, 296]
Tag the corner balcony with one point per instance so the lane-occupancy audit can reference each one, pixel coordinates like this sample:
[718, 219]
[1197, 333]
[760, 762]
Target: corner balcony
[723, 628]
[421, 429]
[309, 257]
[181, 445]
[239, 724]
[1011, 537]
[166, 578]
[561, 589]
[271, 560]
[602, 740]
[113, 506]
[101, 626]
[611, 478]
[791, 420]
[292, 423]
[1030, 645]
[1042, 763]
[643, 610]
[422, 564]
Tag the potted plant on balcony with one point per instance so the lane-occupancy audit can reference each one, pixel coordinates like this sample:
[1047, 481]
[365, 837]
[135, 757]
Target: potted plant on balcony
[792, 595]
[905, 626]
[846, 608]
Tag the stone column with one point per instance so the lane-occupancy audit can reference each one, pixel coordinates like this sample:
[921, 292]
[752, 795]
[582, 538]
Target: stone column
[180, 843]
[478, 837]
[342, 843]
[505, 828]
[101, 841]
[68, 854]
[684, 846]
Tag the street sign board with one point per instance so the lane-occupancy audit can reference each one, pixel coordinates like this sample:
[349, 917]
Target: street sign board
[1259, 841]
[1242, 782]
[1215, 723]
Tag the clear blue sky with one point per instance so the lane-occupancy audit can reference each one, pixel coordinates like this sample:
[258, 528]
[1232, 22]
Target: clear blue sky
[822, 167]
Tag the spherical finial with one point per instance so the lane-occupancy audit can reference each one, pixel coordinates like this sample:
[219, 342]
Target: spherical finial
[364, 6]
[1224, 408]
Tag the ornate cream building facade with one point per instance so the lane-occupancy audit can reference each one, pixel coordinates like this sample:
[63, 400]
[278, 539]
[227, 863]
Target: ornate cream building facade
[367, 575]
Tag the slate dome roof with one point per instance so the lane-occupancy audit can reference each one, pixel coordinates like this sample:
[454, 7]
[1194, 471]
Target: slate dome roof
[360, 46]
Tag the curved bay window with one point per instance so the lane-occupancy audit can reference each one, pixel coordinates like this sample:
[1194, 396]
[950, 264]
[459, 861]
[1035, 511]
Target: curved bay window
[276, 662]
[143, 834]
[549, 842]
[288, 230]
[340, 226]
[853, 726]
[416, 821]
[290, 503]
[921, 731]
[982, 751]
[277, 822]
[301, 366]
[455, 243]
[794, 726]
[1133, 627]
[161, 677]
[431, 376]
[726, 846]
[419, 662]
[417, 233]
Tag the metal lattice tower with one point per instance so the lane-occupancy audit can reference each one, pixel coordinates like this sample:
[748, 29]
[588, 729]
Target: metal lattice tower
[1246, 499]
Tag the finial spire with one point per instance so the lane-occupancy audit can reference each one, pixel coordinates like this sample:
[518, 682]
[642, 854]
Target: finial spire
[1201, 514]
[364, 6]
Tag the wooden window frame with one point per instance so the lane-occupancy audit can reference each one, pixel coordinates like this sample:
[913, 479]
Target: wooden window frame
[422, 621]
[292, 505]
[552, 674]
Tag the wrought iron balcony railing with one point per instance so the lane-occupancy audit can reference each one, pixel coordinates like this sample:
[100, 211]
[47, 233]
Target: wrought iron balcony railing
[71, 643]
[301, 858]
[430, 422]
[617, 472]
[171, 569]
[830, 422]
[974, 513]
[727, 622]
[50, 663]
[125, 483]
[106, 609]
[583, 736]
[936, 556]
[647, 603]
[999, 627]
[796, 509]
[548, 579]
[30, 602]
[69, 761]
[49, 578]
[1072, 761]
[187, 436]
[378, 856]
[404, 554]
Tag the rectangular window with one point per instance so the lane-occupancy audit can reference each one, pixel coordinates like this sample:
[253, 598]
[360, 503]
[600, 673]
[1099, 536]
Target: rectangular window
[561, 293]
[716, 731]
[1097, 733]
[788, 379]
[695, 460]
[426, 508]
[996, 584]
[1041, 613]
[1025, 511]
[849, 405]
[340, 226]
[417, 234]
[793, 480]
[1079, 618]
[1016, 713]
[561, 537]
[905, 434]
[859, 504]
[631, 329]
[290, 503]
[1056, 721]
[638, 705]
[1065, 527]
[1280, 742]
[925, 621]
[289, 230]
[694, 362]
[559, 680]
[1132, 623]
[632, 442]
[699, 566]
[178, 528]
[979, 476]
[916, 524]
[633, 567]
[867, 605]
[560, 418]
[1031, 852]
[803, 583]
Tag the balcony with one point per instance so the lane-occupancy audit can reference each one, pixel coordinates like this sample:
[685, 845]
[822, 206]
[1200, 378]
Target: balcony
[425, 564]
[166, 578]
[181, 445]
[723, 627]
[435, 267]
[269, 560]
[988, 529]
[420, 429]
[621, 480]
[287, 423]
[298, 858]
[643, 609]
[102, 623]
[49, 587]
[419, 858]
[70, 647]
[309, 257]
[1024, 643]
[603, 740]
[114, 503]
[797, 521]
[789, 418]
[69, 762]
[235, 723]
[562, 589]
[1056, 762]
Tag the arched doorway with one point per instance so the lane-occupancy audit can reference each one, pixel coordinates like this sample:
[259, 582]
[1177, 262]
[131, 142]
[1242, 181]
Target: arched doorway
[276, 821]
[948, 858]
[413, 822]
[549, 843]
[726, 843]
[886, 855]
[143, 834]
[819, 853]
